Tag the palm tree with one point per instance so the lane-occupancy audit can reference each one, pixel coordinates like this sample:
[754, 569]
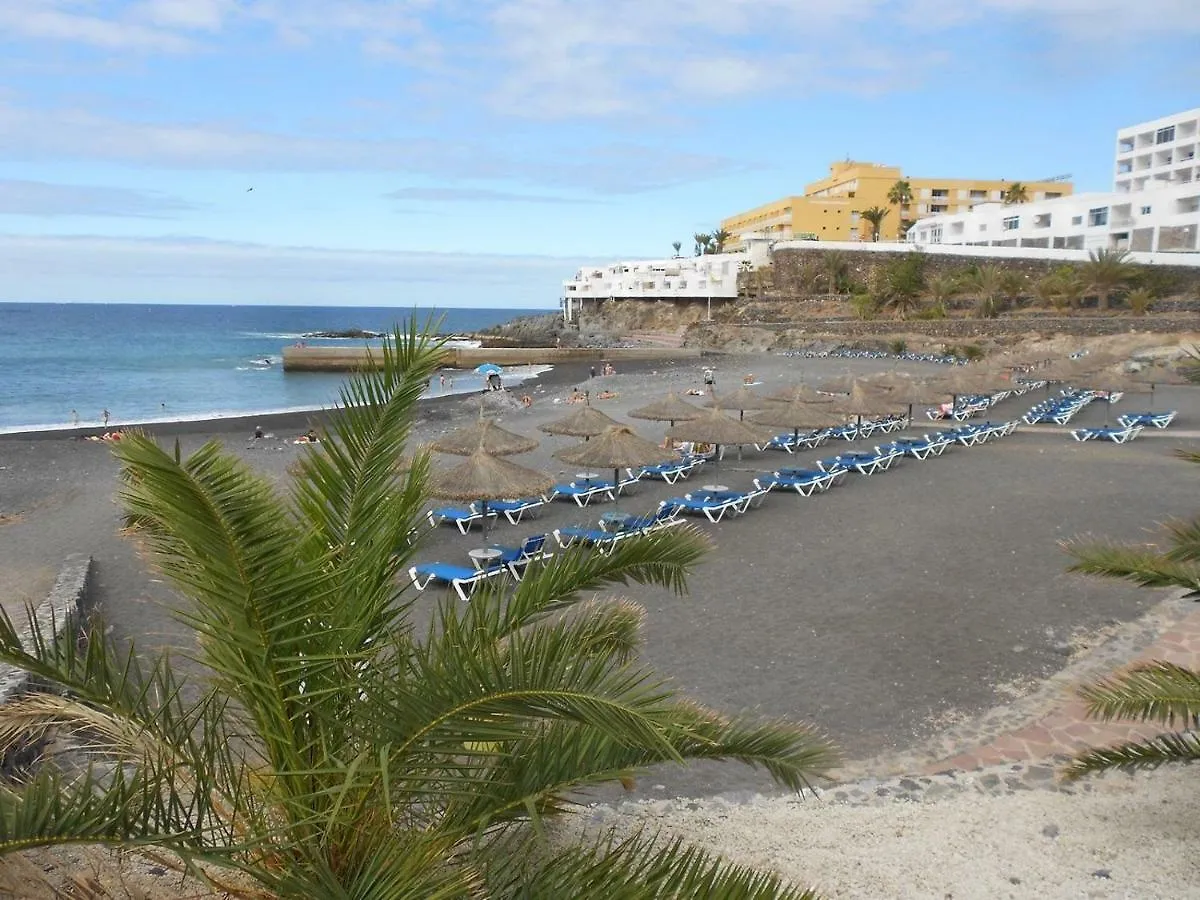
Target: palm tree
[1012, 286]
[1107, 270]
[344, 748]
[986, 284]
[1140, 300]
[1155, 691]
[1071, 286]
[874, 216]
[942, 288]
[900, 193]
[719, 238]
[1016, 193]
[702, 242]
[836, 269]
[676, 246]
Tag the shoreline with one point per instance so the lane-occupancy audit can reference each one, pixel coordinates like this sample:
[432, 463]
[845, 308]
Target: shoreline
[300, 419]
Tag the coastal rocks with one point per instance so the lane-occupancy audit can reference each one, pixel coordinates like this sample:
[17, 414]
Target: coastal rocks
[529, 331]
[347, 334]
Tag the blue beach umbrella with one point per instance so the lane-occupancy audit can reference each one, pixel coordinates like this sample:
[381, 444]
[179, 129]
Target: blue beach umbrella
[488, 369]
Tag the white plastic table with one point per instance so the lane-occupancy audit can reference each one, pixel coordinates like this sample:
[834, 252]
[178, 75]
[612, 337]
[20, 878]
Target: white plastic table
[483, 557]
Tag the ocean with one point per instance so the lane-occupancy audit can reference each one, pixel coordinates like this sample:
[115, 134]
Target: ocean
[166, 362]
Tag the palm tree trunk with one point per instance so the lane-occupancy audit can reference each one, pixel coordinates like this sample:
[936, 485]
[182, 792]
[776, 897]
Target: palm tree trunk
[1102, 300]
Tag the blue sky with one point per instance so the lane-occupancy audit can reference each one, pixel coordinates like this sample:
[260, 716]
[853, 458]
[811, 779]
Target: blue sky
[475, 152]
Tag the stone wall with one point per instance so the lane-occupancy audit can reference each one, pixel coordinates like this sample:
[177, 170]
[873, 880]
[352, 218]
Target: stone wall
[788, 277]
[62, 611]
[783, 335]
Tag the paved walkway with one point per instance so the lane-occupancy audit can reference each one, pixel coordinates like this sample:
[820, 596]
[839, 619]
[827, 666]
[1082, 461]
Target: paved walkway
[1065, 729]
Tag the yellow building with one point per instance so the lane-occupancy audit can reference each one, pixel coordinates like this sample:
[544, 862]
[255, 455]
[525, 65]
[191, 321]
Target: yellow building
[831, 209]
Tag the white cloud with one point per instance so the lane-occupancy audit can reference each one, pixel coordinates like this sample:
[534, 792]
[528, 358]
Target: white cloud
[50, 20]
[477, 195]
[40, 198]
[76, 134]
[187, 269]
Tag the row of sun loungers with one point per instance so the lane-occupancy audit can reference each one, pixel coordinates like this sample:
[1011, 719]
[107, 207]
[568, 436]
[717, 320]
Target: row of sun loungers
[790, 442]
[1152, 419]
[1059, 410]
[714, 505]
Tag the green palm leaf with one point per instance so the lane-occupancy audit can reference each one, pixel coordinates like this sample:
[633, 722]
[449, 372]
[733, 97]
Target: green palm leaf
[1155, 691]
[1131, 757]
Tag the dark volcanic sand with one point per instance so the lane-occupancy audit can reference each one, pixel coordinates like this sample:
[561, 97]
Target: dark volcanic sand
[878, 611]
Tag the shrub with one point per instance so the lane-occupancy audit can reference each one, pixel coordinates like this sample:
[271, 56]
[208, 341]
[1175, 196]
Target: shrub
[863, 306]
[933, 311]
[971, 352]
[1140, 300]
[898, 346]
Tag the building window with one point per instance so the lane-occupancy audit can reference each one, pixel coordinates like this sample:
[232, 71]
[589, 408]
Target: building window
[1165, 135]
[941, 193]
[1097, 216]
[1053, 195]
[1125, 146]
[983, 228]
[1145, 211]
[937, 207]
[935, 234]
[978, 195]
[1076, 220]
[1012, 223]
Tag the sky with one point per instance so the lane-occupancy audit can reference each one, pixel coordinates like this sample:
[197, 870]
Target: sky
[477, 152]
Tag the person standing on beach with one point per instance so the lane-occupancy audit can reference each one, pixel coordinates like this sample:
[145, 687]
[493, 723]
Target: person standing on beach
[74, 417]
[104, 416]
[442, 380]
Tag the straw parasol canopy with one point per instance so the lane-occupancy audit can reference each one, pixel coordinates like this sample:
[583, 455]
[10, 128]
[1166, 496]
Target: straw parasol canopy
[483, 477]
[865, 402]
[799, 392]
[618, 447]
[797, 415]
[840, 384]
[670, 409]
[486, 435]
[714, 427]
[585, 422]
[742, 399]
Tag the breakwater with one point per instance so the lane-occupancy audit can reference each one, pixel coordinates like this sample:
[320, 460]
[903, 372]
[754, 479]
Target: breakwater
[351, 359]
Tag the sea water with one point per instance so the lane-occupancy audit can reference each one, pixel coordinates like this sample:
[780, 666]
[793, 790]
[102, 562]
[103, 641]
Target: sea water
[59, 361]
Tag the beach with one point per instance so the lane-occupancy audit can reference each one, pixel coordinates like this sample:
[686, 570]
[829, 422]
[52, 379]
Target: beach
[894, 613]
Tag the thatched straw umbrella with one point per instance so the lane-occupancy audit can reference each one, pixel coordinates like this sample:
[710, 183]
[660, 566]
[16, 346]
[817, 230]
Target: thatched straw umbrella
[670, 409]
[482, 476]
[798, 414]
[799, 392]
[716, 428]
[616, 448]
[969, 382]
[483, 434]
[862, 401]
[586, 422]
[742, 399]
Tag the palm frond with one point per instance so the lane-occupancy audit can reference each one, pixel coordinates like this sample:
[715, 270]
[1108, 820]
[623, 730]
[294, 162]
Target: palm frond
[1144, 566]
[1188, 455]
[639, 867]
[1150, 692]
[663, 559]
[1136, 755]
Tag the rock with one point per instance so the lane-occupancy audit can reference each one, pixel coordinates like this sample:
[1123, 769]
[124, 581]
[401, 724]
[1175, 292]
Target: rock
[1102, 873]
[1050, 831]
[349, 333]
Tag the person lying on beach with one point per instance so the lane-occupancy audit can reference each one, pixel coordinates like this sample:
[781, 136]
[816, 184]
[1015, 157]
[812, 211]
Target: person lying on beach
[107, 436]
[309, 437]
[694, 392]
[607, 395]
[577, 396]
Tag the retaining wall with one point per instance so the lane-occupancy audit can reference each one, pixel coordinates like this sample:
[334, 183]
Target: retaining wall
[350, 359]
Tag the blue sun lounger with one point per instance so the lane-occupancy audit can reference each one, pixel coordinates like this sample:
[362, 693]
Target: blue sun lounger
[582, 494]
[461, 578]
[463, 517]
[1157, 420]
[517, 558]
[1121, 435]
[807, 484]
[514, 509]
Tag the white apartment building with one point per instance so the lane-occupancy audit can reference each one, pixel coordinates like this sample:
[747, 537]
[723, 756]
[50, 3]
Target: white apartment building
[1158, 153]
[709, 277]
[1154, 206]
[1165, 220]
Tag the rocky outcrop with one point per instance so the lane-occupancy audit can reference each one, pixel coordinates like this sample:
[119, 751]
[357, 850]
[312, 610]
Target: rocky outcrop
[349, 334]
[546, 330]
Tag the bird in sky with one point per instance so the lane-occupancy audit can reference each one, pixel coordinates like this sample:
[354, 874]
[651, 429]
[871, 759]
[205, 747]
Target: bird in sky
[249, 189]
